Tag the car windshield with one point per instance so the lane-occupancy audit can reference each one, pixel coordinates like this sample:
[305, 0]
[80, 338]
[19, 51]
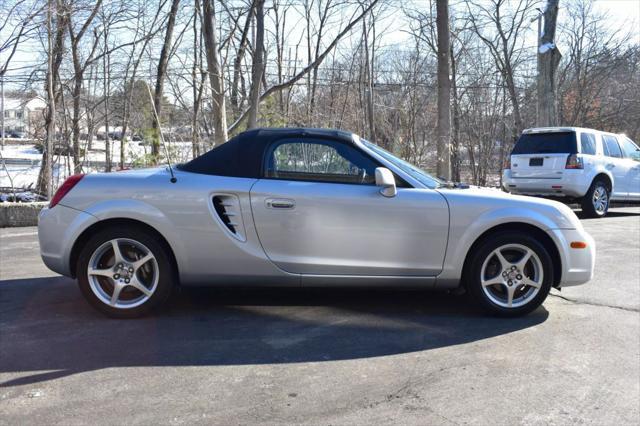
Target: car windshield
[415, 172]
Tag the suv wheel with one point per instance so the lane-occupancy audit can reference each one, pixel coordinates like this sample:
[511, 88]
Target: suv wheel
[595, 203]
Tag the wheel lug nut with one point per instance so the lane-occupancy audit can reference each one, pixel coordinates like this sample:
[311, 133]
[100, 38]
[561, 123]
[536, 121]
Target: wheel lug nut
[126, 280]
[116, 276]
[519, 276]
[130, 269]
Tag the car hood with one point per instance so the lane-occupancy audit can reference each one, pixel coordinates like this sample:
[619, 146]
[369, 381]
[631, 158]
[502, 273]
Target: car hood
[481, 201]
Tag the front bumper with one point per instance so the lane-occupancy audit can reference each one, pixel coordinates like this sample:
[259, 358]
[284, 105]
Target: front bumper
[577, 264]
[572, 183]
[58, 229]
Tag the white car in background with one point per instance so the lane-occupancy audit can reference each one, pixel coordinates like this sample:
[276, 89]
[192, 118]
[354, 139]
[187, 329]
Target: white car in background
[575, 164]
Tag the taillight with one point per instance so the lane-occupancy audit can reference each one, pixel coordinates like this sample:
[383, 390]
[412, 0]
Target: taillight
[574, 162]
[507, 163]
[64, 189]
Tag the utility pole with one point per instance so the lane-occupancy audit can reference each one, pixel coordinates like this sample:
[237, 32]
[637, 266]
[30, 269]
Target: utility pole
[443, 129]
[548, 60]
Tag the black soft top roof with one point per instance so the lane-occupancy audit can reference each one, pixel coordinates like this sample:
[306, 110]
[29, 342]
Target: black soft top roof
[242, 156]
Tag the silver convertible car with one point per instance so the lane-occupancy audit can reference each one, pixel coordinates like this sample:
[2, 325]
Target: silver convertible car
[305, 208]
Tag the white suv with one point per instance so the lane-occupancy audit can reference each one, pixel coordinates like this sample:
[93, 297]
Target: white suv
[584, 165]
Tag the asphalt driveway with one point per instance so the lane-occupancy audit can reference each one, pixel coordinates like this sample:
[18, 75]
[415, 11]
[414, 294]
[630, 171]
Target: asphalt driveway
[323, 357]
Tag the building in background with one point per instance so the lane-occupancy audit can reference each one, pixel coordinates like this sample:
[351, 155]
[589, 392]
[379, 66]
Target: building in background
[21, 115]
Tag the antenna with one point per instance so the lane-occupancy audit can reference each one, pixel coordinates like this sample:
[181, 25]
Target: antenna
[166, 151]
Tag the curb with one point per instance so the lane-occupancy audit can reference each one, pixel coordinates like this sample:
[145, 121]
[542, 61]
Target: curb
[20, 214]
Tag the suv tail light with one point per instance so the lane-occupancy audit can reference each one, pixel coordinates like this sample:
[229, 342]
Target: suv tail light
[574, 162]
[507, 163]
[64, 189]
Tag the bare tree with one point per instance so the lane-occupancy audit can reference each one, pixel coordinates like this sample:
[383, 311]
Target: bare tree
[504, 41]
[257, 67]
[304, 71]
[215, 72]
[79, 67]
[160, 77]
[55, 29]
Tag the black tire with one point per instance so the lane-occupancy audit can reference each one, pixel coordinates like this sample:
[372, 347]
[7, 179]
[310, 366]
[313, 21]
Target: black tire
[166, 279]
[472, 274]
[588, 208]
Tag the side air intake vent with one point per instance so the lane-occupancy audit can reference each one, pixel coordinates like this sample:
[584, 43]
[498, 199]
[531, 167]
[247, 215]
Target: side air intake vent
[227, 207]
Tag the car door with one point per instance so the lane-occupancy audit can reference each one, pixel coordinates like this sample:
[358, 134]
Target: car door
[317, 211]
[631, 154]
[617, 166]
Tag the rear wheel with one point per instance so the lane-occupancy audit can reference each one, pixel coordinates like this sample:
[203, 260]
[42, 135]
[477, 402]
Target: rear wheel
[595, 203]
[510, 274]
[125, 272]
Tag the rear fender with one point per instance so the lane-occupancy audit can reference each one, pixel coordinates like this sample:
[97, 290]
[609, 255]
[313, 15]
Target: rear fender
[146, 213]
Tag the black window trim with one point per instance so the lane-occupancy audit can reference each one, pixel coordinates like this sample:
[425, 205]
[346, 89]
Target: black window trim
[268, 151]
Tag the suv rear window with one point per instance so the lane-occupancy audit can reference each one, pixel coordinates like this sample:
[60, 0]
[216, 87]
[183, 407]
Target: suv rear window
[546, 143]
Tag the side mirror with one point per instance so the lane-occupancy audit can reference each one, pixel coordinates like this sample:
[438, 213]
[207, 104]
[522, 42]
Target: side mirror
[385, 179]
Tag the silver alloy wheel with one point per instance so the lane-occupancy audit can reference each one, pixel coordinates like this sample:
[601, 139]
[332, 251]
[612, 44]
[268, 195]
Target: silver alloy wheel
[600, 199]
[123, 273]
[512, 275]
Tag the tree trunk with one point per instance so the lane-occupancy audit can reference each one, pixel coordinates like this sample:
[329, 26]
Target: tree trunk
[368, 63]
[257, 67]
[162, 71]
[54, 59]
[444, 91]
[75, 122]
[548, 60]
[455, 149]
[215, 73]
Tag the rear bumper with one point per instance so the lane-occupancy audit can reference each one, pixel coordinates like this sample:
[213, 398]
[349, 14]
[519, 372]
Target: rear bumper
[573, 183]
[577, 264]
[58, 229]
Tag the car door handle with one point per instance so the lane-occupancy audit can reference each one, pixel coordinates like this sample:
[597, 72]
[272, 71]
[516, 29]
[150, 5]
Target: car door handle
[279, 203]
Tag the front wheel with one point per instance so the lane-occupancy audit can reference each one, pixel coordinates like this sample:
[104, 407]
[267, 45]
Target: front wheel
[510, 274]
[125, 272]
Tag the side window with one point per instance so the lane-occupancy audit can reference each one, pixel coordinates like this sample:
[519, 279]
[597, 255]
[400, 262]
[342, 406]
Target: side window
[629, 148]
[610, 145]
[588, 143]
[319, 160]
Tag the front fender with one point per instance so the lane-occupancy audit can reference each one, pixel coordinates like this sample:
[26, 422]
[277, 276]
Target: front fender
[466, 229]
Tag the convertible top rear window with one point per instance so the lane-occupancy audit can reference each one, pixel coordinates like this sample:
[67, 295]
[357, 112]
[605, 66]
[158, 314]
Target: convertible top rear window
[546, 143]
